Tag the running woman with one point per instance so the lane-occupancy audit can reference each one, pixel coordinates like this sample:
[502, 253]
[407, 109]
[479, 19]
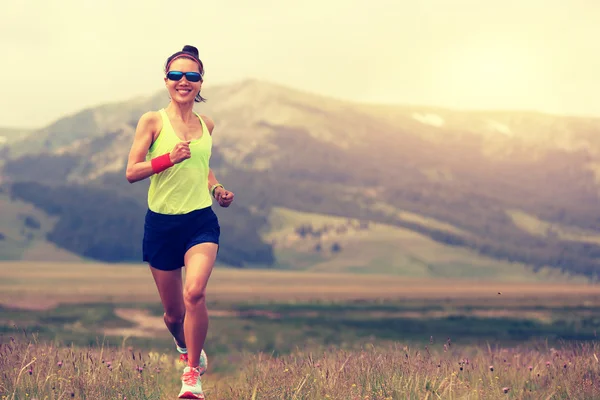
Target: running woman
[172, 147]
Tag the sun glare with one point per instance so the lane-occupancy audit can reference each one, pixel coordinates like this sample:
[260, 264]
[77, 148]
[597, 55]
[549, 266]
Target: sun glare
[489, 76]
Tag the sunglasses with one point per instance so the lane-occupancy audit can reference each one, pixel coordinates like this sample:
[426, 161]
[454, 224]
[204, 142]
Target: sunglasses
[190, 76]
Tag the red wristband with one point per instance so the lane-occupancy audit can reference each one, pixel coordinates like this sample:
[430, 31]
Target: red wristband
[161, 163]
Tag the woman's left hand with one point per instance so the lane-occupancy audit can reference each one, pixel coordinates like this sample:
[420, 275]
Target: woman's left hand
[224, 197]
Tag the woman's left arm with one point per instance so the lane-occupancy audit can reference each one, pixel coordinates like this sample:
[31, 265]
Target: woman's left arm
[223, 196]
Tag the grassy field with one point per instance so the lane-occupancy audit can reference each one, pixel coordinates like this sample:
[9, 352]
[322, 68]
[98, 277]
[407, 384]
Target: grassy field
[538, 227]
[297, 335]
[33, 370]
[24, 230]
[43, 285]
[386, 249]
[333, 244]
[260, 310]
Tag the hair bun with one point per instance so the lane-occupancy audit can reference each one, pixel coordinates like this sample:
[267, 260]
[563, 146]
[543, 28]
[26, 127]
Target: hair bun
[190, 49]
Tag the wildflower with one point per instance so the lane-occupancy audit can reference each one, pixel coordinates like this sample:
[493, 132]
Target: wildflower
[59, 364]
[505, 389]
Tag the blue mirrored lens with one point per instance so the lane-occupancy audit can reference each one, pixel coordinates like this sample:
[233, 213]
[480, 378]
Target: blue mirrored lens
[174, 75]
[192, 76]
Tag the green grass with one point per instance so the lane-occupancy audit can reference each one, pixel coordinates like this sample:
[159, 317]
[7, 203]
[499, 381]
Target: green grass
[279, 328]
[279, 324]
[537, 227]
[386, 249]
[11, 249]
[257, 310]
[23, 242]
[430, 222]
[11, 219]
[34, 368]
[275, 310]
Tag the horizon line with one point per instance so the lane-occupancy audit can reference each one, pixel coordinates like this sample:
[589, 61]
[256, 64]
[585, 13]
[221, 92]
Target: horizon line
[324, 96]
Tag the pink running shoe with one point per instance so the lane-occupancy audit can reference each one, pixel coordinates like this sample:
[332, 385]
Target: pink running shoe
[183, 357]
[191, 387]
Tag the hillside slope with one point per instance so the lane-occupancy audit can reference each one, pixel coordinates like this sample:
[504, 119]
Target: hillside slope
[398, 165]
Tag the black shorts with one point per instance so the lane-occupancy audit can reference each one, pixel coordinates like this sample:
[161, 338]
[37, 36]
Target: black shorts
[168, 237]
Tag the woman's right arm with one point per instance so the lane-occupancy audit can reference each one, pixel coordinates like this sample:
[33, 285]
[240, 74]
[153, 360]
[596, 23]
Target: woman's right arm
[137, 167]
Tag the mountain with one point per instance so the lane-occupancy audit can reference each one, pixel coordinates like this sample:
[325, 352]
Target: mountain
[521, 187]
[9, 136]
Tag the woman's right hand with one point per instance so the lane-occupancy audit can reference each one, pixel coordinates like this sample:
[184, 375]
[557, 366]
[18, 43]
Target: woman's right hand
[180, 152]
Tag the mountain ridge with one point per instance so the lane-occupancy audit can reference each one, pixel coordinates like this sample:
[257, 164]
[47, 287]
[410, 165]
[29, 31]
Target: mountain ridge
[372, 162]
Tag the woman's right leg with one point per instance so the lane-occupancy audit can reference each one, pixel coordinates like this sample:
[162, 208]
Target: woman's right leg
[170, 289]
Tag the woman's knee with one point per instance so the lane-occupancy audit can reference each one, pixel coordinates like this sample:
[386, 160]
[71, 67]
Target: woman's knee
[193, 295]
[174, 317]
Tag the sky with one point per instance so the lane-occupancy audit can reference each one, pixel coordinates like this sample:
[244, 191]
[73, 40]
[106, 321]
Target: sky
[61, 56]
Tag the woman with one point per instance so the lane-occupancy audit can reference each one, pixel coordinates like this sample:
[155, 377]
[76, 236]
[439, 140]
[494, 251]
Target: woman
[172, 147]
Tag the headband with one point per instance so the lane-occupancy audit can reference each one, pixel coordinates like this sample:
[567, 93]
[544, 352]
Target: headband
[186, 55]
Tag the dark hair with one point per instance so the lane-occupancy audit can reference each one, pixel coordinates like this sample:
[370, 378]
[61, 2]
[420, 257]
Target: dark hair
[191, 53]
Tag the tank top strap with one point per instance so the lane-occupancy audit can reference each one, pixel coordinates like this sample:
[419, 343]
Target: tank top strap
[203, 124]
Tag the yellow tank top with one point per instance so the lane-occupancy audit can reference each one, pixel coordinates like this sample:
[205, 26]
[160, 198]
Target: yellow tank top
[183, 187]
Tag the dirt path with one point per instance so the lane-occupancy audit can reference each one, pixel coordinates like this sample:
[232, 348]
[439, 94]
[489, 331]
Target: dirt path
[147, 325]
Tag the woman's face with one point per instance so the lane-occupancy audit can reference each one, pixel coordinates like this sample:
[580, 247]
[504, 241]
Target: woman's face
[183, 90]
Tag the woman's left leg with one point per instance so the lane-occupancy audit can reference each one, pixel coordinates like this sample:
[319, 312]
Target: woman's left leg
[199, 262]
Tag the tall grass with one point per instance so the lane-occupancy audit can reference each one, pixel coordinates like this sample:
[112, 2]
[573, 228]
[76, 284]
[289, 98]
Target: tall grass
[33, 370]
[399, 372]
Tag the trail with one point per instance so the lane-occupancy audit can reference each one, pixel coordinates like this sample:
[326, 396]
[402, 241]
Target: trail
[147, 325]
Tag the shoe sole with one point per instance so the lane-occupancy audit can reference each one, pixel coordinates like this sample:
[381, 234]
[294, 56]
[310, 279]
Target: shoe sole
[190, 395]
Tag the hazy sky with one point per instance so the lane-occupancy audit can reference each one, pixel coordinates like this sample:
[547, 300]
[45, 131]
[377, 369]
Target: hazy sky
[61, 56]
